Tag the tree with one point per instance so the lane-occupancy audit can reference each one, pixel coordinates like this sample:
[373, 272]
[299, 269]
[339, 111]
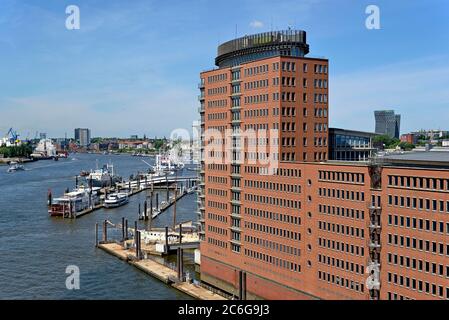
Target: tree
[406, 146]
[382, 139]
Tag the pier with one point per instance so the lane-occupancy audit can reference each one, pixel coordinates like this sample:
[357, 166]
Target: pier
[132, 251]
[133, 187]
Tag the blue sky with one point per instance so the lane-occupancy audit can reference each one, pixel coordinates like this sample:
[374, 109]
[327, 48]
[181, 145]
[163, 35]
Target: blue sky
[133, 67]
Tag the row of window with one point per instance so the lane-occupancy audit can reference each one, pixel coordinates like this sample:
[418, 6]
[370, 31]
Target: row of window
[264, 214]
[216, 242]
[217, 103]
[418, 244]
[419, 203]
[273, 186]
[335, 176]
[217, 78]
[217, 192]
[255, 70]
[320, 84]
[217, 205]
[279, 232]
[418, 265]
[279, 202]
[341, 246]
[218, 90]
[220, 180]
[341, 229]
[272, 245]
[419, 183]
[277, 262]
[280, 172]
[257, 126]
[341, 281]
[217, 128]
[341, 264]
[256, 99]
[418, 285]
[217, 167]
[320, 98]
[341, 194]
[217, 217]
[342, 212]
[419, 223]
[256, 84]
[252, 113]
[217, 230]
[217, 116]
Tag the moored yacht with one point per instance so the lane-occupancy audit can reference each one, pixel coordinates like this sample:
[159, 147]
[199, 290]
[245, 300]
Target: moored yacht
[103, 177]
[115, 200]
[75, 201]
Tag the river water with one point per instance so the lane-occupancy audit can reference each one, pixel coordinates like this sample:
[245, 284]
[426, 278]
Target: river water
[36, 249]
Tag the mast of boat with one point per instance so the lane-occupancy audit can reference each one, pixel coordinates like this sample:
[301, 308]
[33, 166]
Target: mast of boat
[174, 207]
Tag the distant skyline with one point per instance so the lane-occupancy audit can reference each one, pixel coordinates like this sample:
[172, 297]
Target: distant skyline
[133, 67]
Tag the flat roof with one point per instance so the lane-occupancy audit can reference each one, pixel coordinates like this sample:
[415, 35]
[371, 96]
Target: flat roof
[349, 131]
[418, 158]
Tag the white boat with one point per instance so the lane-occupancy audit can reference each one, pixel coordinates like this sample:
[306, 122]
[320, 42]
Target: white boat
[75, 201]
[14, 166]
[115, 200]
[103, 177]
[45, 149]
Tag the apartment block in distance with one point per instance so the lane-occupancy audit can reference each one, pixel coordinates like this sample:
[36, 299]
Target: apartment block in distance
[82, 137]
[308, 227]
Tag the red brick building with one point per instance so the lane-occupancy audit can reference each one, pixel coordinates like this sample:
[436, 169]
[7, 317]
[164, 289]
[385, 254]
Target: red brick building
[279, 221]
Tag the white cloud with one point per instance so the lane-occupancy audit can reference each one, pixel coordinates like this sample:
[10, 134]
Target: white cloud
[256, 24]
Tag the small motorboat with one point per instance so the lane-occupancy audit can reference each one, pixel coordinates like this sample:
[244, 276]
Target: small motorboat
[14, 166]
[115, 200]
[84, 173]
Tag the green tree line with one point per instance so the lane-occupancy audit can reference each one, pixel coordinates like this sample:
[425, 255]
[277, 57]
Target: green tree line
[23, 150]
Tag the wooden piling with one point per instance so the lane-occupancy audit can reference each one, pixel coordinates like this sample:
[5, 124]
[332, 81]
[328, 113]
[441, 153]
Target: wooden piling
[174, 209]
[178, 263]
[96, 234]
[151, 210]
[49, 198]
[240, 285]
[166, 240]
[123, 229]
[145, 208]
[138, 215]
[137, 241]
[126, 229]
[244, 285]
[105, 231]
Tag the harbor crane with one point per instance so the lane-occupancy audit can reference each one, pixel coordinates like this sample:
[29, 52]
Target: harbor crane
[13, 136]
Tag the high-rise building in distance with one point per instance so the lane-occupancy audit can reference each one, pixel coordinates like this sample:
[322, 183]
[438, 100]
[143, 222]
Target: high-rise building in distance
[278, 220]
[387, 122]
[82, 137]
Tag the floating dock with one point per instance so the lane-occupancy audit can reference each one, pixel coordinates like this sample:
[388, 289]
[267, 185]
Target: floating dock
[137, 186]
[159, 271]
